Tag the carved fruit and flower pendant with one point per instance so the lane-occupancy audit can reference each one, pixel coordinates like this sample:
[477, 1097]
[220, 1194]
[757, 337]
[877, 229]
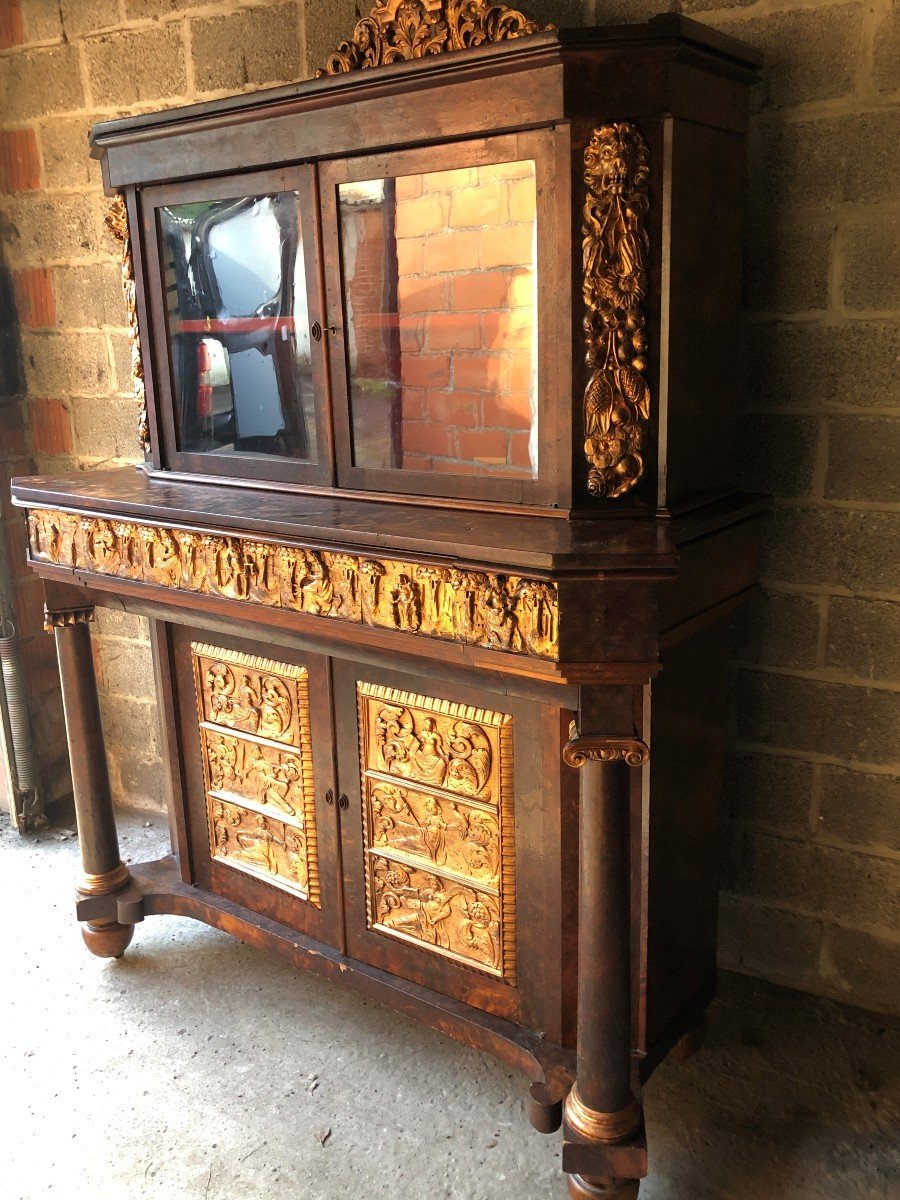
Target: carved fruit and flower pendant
[615, 253]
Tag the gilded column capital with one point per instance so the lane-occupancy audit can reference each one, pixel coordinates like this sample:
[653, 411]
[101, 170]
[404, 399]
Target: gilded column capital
[579, 750]
[59, 618]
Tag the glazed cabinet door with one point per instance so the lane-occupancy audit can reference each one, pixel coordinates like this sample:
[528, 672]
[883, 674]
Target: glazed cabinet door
[257, 763]
[236, 308]
[451, 856]
[447, 300]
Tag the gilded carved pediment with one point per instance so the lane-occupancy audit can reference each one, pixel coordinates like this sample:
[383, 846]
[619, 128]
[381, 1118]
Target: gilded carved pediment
[402, 30]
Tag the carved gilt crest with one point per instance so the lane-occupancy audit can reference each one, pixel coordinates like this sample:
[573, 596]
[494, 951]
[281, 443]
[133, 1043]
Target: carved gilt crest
[615, 249]
[401, 30]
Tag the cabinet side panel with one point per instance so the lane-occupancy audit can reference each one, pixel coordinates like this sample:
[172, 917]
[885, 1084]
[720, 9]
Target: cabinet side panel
[700, 358]
[687, 748]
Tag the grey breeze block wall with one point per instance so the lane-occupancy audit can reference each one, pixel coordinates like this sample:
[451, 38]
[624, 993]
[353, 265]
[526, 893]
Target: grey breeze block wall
[812, 874]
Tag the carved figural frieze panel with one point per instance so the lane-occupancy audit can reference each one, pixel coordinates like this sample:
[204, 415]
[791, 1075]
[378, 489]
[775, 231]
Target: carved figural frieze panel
[117, 224]
[615, 249]
[401, 30]
[257, 766]
[438, 816]
[478, 608]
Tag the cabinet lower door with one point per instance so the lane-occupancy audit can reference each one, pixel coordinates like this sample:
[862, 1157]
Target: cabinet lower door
[433, 879]
[257, 757]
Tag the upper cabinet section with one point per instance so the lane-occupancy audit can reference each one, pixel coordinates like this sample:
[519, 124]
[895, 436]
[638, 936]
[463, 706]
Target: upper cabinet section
[473, 262]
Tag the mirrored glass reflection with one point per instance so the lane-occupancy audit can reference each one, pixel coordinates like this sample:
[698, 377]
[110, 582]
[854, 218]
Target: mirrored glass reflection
[239, 326]
[440, 304]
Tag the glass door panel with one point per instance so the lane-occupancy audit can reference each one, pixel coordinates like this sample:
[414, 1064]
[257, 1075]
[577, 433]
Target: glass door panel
[436, 276]
[238, 315]
[239, 326]
[441, 320]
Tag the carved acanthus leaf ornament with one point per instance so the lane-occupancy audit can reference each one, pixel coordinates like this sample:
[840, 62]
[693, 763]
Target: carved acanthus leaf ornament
[401, 30]
[117, 224]
[615, 249]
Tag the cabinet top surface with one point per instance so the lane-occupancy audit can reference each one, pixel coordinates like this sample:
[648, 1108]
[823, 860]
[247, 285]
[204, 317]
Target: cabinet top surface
[668, 31]
[637, 544]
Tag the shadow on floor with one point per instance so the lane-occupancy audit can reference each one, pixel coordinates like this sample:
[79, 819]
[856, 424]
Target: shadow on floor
[200, 1067]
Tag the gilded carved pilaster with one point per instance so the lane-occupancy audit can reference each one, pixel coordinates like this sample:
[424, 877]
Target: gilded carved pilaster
[117, 223]
[614, 285]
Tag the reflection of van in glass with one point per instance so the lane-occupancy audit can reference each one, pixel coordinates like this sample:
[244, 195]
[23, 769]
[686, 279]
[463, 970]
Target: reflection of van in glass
[239, 331]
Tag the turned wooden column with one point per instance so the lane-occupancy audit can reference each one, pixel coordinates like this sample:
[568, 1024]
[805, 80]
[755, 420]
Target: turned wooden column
[602, 1115]
[103, 872]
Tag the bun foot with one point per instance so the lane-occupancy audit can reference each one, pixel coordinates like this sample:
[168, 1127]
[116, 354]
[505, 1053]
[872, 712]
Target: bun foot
[107, 939]
[603, 1189]
[688, 1045]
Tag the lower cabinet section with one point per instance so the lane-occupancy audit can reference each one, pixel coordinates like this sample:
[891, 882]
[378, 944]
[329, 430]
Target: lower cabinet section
[407, 821]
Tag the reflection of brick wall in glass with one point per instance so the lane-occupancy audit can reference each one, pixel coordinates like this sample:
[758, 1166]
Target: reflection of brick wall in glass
[444, 314]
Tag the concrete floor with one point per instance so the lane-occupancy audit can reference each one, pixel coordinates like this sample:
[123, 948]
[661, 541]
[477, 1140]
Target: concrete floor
[199, 1067]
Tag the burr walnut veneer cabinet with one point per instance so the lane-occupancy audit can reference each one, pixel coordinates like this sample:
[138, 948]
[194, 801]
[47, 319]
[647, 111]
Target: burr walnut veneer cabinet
[436, 534]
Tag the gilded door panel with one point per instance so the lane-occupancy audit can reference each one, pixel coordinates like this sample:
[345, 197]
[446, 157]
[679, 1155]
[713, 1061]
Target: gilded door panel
[437, 792]
[435, 831]
[256, 749]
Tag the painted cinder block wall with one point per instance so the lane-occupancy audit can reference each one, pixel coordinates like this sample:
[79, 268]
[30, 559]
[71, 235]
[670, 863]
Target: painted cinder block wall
[813, 857]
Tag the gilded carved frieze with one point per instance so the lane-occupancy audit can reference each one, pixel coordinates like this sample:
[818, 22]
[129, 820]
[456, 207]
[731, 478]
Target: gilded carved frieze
[401, 30]
[438, 815]
[615, 251]
[117, 223]
[478, 608]
[257, 762]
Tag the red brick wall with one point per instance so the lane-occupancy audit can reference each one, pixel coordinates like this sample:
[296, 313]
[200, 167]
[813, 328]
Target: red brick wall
[465, 311]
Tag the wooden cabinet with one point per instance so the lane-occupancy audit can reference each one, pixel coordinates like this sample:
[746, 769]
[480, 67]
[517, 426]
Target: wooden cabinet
[437, 534]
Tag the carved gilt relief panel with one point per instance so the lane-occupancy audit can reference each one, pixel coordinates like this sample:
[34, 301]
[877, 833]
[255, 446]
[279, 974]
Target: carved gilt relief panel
[509, 613]
[257, 766]
[438, 814]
